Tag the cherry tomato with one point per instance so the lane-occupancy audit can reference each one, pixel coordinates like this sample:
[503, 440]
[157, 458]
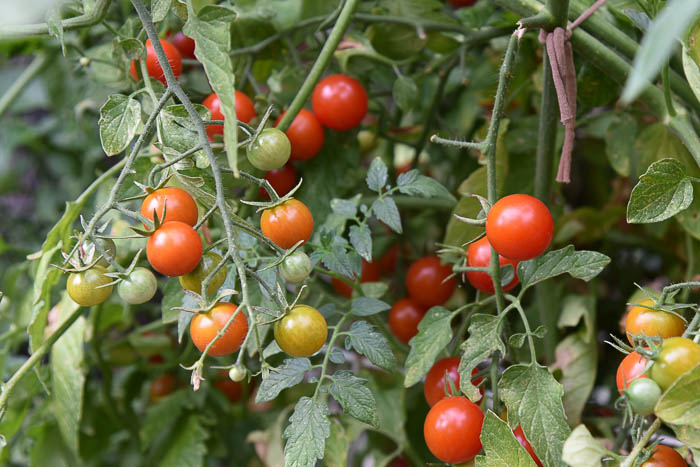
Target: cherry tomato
[653, 323]
[184, 44]
[295, 267]
[461, 3]
[664, 456]
[339, 102]
[452, 429]
[174, 249]
[282, 180]
[367, 140]
[179, 206]
[152, 65]
[676, 356]
[631, 368]
[404, 317]
[642, 395]
[436, 382]
[237, 373]
[301, 332]
[139, 287]
[520, 436]
[245, 111]
[85, 287]
[370, 273]
[231, 389]
[287, 223]
[162, 386]
[193, 280]
[205, 326]
[479, 255]
[399, 462]
[305, 135]
[387, 262]
[519, 227]
[270, 150]
[427, 283]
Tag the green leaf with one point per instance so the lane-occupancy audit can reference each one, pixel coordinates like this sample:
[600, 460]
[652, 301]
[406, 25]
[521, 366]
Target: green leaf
[582, 450]
[120, 119]
[658, 44]
[484, 339]
[391, 407]
[186, 446]
[307, 432]
[162, 415]
[386, 211]
[289, 374]
[434, 333]
[687, 435]
[366, 306]
[361, 239]
[176, 132]
[346, 208]
[501, 446]
[395, 41]
[680, 405]
[583, 265]
[337, 446]
[578, 359]
[337, 260]
[405, 92]
[173, 295]
[363, 337]
[692, 71]
[159, 9]
[534, 401]
[662, 192]
[619, 144]
[377, 175]
[354, 397]
[656, 142]
[412, 183]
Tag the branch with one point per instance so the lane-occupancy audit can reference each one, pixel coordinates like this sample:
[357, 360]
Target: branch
[96, 15]
[28, 74]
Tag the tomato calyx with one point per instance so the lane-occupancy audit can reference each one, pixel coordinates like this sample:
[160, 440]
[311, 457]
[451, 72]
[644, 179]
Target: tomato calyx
[480, 217]
[275, 199]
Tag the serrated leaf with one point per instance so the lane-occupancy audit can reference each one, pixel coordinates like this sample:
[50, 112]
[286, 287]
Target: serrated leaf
[405, 93]
[337, 260]
[307, 432]
[363, 337]
[361, 239]
[583, 265]
[120, 118]
[680, 405]
[161, 416]
[386, 211]
[484, 339]
[186, 446]
[582, 450]
[159, 9]
[346, 208]
[289, 374]
[354, 397]
[662, 192]
[434, 333]
[412, 183]
[501, 446]
[377, 175]
[366, 306]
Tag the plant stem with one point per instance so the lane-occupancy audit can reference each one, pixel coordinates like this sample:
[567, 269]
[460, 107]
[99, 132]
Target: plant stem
[26, 77]
[409, 202]
[690, 268]
[629, 460]
[326, 358]
[94, 16]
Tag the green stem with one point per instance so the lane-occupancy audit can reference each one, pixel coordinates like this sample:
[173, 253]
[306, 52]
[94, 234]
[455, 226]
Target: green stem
[26, 77]
[690, 268]
[629, 460]
[94, 16]
[667, 91]
[324, 365]
[526, 323]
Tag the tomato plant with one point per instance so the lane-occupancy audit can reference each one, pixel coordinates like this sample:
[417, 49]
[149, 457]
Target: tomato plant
[152, 64]
[270, 150]
[676, 356]
[305, 135]
[428, 281]
[288, 223]
[89, 287]
[193, 279]
[479, 255]
[174, 249]
[339, 102]
[177, 204]
[452, 429]
[138, 287]
[652, 323]
[245, 111]
[302, 331]
[205, 326]
[231, 389]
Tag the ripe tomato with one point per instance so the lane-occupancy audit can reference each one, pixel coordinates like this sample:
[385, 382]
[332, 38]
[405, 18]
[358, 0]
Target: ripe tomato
[282, 180]
[179, 206]
[340, 102]
[152, 65]
[270, 150]
[231, 389]
[370, 273]
[426, 281]
[184, 44]
[174, 249]
[404, 317]
[305, 135]
[83, 286]
[295, 267]
[461, 3]
[452, 429]
[653, 323]
[287, 223]
[193, 280]
[631, 368]
[301, 332]
[642, 395]
[664, 456]
[479, 255]
[519, 227]
[139, 287]
[162, 386]
[676, 356]
[245, 111]
[387, 262]
[205, 326]
[520, 436]
[435, 381]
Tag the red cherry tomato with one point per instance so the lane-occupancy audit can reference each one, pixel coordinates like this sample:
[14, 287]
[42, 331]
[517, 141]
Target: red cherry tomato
[519, 227]
[664, 456]
[282, 180]
[205, 326]
[305, 135]
[435, 381]
[245, 111]
[153, 66]
[479, 255]
[287, 223]
[174, 249]
[370, 273]
[184, 44]
[404, 317]
[631, 367]
[452, 429]
[426, 281]
[179, 206]
[162, 386]
[339, 102]
[231, 389]
[461, 3]
[520, 436]
[387, 262]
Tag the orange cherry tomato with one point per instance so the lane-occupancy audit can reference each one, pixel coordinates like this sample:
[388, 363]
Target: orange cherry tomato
[162, 386]
[231, 389]
[245, 111]
[153, 66]
[664, 456]
[287, 223]
[205, 326]
[174, 249]
[305, 135]
[282, 180]
[184, 44]
[179, 206]
[653, 323]
[520, 436]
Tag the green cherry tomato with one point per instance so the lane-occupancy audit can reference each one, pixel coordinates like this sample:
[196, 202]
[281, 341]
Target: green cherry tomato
[84, 287]
[193, 280]
[302, 331]
[296, 267]
[237, 373]
[676, 356]
[139, 287]
[270, 150]
[642, 395]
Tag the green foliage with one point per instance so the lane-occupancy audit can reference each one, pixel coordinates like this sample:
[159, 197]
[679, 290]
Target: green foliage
[500, 445]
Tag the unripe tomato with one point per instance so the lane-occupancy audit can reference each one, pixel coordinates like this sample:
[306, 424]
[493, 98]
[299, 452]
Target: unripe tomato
[436, 381]
[205, 326]
[676, 356]
[237, 373]
[367, 140]
[452, 429]
[339, 102]
[295, 267]
[174, 249]
[370, 273]
[631, 367]
[427, 283]
[270, 150]
[653, 323]
[520, 436]
[519, 227]
[193, 280]
[404, 317]
[162, 386]
[479, 255]
[642, 395]
[287, 223]
[139, 287]
[231, 389]
[664, 456]
[305, 135]
[184, 44]
[245, 111]
[179, 206]
[153, 66]
[282, 180]
[84, 287]
[301, 332]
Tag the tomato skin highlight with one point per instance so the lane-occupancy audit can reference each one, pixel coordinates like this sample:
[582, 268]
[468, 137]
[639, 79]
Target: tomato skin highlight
[434, 387]
[282, 180]
[676, 356]
[193, 279]
[479, 255]
[83, 286]
[162, 386]
[371, 272]
[179, 206]
[520, 436]
[184, 44]
[204, 327]
[174, 249]
[305, 135]
[245, 111]
[424, 281]
[519, 227]
[452, 429]
[340, 102]
[287, 223]
[302, 331]
[404, 318]
[154, 69]
[653, 323]
[664, 456]
[631, 367]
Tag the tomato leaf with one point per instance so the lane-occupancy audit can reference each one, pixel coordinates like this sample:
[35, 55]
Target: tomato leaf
[581, 449]
[361, 239]
[662, 192]
[159, 9]
[501, 446]
[186, 446]
[691, 69]
[680, 405]
[484, 339]
[434, 333]
[366, 306]
[377, 175]
[337, 445]
[386, 211]
[405, 92]
[161, 415]
[307, 432]
[578, 361]
[583, 265]
[337, 259]
[173, 296]
[363, 337]
[354, 397]
[412, 183]
[289, 374]
[346, 208]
